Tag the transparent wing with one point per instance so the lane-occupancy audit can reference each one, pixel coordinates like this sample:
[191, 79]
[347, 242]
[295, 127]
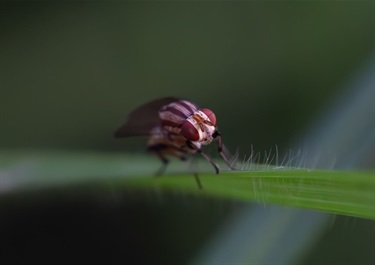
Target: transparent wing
[144, 118]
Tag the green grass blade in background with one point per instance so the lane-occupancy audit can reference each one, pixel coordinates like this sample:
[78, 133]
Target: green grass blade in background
[344, 192]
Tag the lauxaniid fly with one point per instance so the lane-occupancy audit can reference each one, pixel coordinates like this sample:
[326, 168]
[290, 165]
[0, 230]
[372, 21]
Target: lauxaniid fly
[175, 127]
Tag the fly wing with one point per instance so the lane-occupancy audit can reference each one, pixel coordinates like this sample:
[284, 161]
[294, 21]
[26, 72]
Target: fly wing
[143, 119]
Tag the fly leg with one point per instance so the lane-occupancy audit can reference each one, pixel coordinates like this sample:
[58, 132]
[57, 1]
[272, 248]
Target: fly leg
[206, 156]
[209, 159]
[184, 158]
[224, 153]
[161, 149]
[158, 150]
[165, 162]
[198, 181]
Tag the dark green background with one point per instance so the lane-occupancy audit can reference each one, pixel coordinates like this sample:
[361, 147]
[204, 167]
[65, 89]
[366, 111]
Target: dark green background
[70, 72]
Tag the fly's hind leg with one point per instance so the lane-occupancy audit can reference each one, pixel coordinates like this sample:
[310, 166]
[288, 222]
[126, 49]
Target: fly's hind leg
[158, 150]
[163, 167]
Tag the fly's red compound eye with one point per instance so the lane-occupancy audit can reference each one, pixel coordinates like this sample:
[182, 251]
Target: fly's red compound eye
[211, 115]
[189, 131]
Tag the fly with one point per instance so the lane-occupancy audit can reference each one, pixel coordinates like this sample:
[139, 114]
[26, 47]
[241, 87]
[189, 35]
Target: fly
[175, 127]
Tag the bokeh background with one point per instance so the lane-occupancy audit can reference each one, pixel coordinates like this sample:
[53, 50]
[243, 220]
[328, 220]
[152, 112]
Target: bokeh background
[70, 72]
[276, 73]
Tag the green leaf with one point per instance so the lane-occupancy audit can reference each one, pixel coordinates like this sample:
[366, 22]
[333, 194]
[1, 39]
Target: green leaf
[349, 193]
[343, 192]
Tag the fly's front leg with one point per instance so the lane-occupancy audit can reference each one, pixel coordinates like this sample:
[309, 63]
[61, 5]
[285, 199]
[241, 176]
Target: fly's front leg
[222, 150]
[206, 156]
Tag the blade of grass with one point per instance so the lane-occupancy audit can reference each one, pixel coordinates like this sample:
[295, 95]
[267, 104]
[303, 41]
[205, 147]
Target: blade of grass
[343, 192]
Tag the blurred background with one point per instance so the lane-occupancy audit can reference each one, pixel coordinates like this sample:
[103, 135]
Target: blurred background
[299, 75]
